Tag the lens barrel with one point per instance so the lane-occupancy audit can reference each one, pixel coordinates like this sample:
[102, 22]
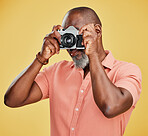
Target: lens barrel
[68, 40]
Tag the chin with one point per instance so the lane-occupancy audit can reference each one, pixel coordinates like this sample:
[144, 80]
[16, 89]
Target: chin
[82, 62]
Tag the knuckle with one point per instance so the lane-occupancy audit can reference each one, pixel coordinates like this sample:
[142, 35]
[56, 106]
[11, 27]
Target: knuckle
[46, 41]
[46, 48]
[55, 43]
[57, 35]
[47, 35]
[44, 38]
[52, 47]
[59, 27]
[53, 27]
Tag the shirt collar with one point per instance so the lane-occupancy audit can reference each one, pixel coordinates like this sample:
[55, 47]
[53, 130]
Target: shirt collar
[72, 64]
[108, 61]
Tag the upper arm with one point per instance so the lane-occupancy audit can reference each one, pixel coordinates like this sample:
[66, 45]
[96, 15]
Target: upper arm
[40, 88]
[130, 79]
[124, 103]
[128, 83]
[35, 95]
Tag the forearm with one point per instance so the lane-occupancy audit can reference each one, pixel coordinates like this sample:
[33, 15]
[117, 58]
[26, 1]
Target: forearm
[110, 99]
[19, 89]
[106, 94]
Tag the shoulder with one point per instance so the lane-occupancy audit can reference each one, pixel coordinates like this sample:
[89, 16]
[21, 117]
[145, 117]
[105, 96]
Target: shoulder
[127, 69]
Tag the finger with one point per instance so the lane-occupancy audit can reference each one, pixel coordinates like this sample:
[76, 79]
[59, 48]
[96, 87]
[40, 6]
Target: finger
[87, 40]
[52, 48]
[86, 33]
[56, 35]
[47, 35]
[82, 29]
[57, 27]
[49, 46]
[55, 43]
[87, 27]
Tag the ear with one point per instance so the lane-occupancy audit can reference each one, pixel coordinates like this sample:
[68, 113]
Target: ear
[98, 29]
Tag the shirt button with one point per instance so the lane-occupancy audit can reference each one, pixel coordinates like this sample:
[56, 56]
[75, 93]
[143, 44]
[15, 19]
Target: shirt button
[72, 128]
[82, 91]
[76, 109]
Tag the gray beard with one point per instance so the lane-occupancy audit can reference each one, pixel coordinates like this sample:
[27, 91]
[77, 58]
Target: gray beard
[81, 63]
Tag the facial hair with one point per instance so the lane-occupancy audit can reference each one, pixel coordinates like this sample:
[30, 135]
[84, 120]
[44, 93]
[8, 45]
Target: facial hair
[82, 62]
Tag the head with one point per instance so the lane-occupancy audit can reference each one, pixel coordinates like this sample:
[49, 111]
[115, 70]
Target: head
[78, 17]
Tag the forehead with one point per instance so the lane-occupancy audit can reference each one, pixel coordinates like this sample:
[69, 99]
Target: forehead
[74, 19]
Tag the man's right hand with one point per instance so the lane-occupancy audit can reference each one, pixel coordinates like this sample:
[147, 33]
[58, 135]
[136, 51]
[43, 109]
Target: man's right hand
[51, 43]
[23, 89]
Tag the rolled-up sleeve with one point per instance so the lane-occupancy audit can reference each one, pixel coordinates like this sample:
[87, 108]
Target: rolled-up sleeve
[129, 77]
[44, 81]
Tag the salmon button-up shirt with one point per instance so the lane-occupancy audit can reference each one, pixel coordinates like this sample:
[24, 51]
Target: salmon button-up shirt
[73, 111]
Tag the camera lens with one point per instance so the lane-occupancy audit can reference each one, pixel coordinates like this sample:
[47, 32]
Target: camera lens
[68, 40]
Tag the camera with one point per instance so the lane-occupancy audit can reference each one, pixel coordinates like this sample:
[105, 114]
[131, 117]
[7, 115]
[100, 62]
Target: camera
[70, 38]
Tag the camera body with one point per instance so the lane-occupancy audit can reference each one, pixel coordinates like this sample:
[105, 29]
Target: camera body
[70, 38]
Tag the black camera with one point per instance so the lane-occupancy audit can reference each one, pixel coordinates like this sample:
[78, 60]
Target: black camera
[70, 38]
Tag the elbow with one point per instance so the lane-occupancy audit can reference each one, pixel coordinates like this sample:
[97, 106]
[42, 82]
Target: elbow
[108, 110]
[8, 103]
[108, 113]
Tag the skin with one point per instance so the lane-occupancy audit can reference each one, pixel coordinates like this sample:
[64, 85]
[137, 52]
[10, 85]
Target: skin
[110, 99]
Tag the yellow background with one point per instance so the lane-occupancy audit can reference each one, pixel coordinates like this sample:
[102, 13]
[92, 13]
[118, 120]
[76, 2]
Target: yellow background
[23, 25]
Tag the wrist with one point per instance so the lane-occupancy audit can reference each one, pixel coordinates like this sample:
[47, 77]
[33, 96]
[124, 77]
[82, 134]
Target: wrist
[41, 59]
[93, 55]
[97, 55]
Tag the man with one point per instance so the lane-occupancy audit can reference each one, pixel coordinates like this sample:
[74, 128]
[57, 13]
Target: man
[93, 95]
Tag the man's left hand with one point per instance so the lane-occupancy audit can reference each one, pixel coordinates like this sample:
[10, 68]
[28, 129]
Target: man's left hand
[91, 38]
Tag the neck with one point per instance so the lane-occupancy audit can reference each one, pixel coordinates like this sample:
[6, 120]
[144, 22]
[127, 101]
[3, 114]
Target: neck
[86, 70]
[102, 55]
[101, 51]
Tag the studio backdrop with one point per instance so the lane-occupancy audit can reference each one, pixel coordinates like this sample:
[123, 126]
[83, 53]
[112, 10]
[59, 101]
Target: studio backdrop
[24, 24]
